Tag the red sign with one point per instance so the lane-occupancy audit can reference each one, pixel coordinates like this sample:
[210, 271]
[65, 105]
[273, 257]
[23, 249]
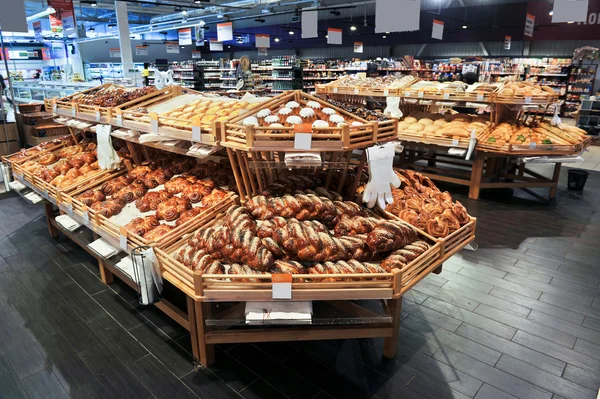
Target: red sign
[64, 13]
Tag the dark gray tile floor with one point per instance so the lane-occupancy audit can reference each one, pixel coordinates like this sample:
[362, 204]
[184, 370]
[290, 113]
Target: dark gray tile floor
[518, 318]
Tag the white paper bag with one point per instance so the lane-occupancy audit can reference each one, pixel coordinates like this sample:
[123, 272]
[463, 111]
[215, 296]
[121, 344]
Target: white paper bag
[150, 280]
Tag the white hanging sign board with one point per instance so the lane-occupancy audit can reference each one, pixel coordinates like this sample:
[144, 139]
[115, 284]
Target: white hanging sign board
[196, 54]
[507, 40]
[358, 47]
[185, 37]
[397, 15]
[199, 32]
[225, 31]
[570, 11]
[437, 31]
[263, 41]
[114, 53]
[173, 47]
[262, 51]
[529, 25]
[215, 45]
[12, 17]
[310, 24]
[334, 36]
[141, 50]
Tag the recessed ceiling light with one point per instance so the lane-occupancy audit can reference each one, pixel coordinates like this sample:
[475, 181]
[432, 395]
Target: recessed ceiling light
[353, 27]
[197, 1]
[220, 16]
[228, 46]
[184, 12]
[276, 39]
[182, 46]
[571, 22]
[93, 3]
[384, 36]
[464, 26]
[387, 33]
[291, 32]
[551, 13]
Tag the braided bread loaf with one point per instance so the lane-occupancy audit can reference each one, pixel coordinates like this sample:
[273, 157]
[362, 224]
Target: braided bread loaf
[390, 236]
[299, 206]
[404, 256]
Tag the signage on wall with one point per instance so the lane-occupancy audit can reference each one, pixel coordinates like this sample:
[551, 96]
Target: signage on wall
[141, 50]
[37, 30]
[397, 15]
[529, 25]
[437, 31]
[507, 40]
[215, 45]
[172, 47]
[358, 47]
[114, 53]
[310, 24]
[196, 54]
[334, 36]
[185, 37]
[570, 11]
[263, 41]
[225, 31]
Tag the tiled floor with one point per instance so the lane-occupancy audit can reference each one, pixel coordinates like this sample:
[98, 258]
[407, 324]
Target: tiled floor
[591, 159]
[520, 317]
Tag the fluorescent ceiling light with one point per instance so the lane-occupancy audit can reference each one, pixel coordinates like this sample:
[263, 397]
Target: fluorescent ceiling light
[291, 32]
[551, 13]
[353, 27]
[276, 39]
[42, 14]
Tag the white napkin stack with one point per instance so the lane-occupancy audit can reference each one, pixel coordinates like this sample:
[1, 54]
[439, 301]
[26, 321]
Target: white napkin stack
[16, 185]
[68, 222]
[200, 150]
[103, 248]
[303, 159]
[33, 197]
[258, 313]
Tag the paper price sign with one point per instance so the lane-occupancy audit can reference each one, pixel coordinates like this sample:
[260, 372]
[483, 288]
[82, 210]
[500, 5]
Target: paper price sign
[120, 119]
[446, 95]
[386, 93]
[73, 111]
[454, 142]
[196, 133]
[533, 144]
[420, 94]
[123, 238]
[154, 125]
[86, 215]
[355, 91]
[335, 89]
[97, 115]
[479, 96]
[527, 100]
[303, 136]
[407, 93]
[54, 107]
[282, 286]
[70, 209]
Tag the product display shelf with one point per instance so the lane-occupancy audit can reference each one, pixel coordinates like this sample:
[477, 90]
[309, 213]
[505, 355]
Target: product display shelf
[15, 158]
[335, 88]
[413, 92]
[344, 137]
[425, 138]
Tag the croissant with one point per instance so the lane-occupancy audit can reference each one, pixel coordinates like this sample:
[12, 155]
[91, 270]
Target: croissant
[48, 159]
[67, 182]
[64, 168]
[90, 197]
[453, 223]
[188, 215]
[138, 173]
[76, 161]
[141, 226]
[107, 208]
[214, 198]
[73, 173]
[88, 157]
[156, 178]
[113, 186]
[437, 227]
[67, 152]
[171, 209]
[85, 169]
[158, 232]
[130, 193]
[49, 175]
[150, 201]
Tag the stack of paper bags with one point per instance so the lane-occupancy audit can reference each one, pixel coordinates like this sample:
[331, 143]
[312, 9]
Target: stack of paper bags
[103, 248]
[263, 313]
[68, 222]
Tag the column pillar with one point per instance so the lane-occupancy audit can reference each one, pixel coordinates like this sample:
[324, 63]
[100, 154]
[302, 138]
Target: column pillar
[124, 39]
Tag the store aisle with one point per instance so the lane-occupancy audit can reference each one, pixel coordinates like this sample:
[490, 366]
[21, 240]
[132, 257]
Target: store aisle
[520, 317]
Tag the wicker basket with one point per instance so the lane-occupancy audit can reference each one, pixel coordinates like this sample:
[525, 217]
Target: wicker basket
[29, 108]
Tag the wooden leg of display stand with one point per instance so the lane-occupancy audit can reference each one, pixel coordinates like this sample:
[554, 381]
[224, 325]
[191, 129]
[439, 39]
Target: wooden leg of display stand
[555, 176]
[49, 210]
[206, 351]
[476, 173]
[431, 162]
[191, 312]
[105, 275]
[390, 344]
[438, 270]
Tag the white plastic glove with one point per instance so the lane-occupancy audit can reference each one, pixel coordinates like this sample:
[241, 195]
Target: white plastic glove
[107, 157]
[381, 176]
[393, 107]
[556, 119]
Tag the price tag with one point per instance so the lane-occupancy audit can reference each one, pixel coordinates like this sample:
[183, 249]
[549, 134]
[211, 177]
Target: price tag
[54, 107]
[154, 126]
[446, 95]
[73, 111]
[479, 96]
[196, 134]
[386, 92]
[120, 120]
[335, 89]
[86, 215]
[407, 93]
[123, 238]
[454, 142]
[303, 141]
[355, 91]
[420, 94]
[18, 177]
[70, 209]
[527, 100]
[97, 116]
[533, 144]
[282, 286]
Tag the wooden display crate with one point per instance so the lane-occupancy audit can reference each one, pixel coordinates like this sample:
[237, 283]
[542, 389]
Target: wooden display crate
[336, 87]
[305, 287]
[28, 108]
[343, 138]
[520, 99]
[10, 159]
[448, 95]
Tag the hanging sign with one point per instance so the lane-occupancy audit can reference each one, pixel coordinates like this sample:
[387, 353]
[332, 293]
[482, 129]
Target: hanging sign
[199, 33]
[334, 36]
[437, 31]
[262, 51]
[358, 47]
[172, 47]
[13, 17]
[310, 24]
[263, 41]
[114, 53]
[397, 15]
[225, 31]
[215, 45]
[507, 40]
[56, 25]
[141, 50]
[529, 25]
[570, 11]
[64, 12]
[185, 37]
[37, 30]
[196, 54]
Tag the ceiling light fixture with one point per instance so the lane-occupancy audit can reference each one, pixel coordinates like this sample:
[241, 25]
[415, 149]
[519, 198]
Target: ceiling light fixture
[291, 32]
[353, 27]
[184, 12]
[571, 22]
[551, 13]
[464, 27]
[326, 36]
[384, 36]
[228, 46]
[197, 1]
[42, 14]
[276, 39]
[94, 3]
[387, 33]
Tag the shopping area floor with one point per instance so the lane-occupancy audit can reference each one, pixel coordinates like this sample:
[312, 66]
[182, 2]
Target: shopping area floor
[520, 317]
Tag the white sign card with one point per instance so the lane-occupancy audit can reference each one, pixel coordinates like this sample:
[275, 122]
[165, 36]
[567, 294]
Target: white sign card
[185, 37]
[196, 54]
[172, 47]
[141, 50]
[334, 36]
[437, 31]
[570, 11]
[263, 51]
[215, 45]
[225, 31]
[529, 25]
[12, 17]
[114, 53]
[310, 24]
[263, 41]
[199, 35]
[358, 47]
[397, 15]
[507, 40]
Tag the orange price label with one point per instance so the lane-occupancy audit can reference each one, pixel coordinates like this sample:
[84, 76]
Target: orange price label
[282, 286]
[303, 128]
[281, 278]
